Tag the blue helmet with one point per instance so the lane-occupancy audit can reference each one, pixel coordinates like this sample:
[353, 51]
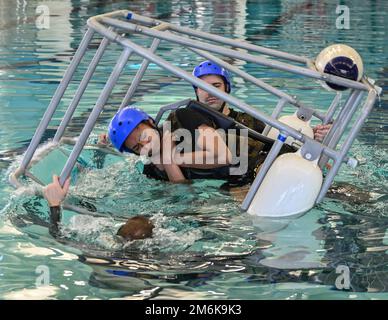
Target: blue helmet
[208, 67]
[123, 124]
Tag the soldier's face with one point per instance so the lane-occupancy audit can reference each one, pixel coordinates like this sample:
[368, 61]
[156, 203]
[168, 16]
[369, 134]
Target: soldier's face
[144, 140]
[207, 98]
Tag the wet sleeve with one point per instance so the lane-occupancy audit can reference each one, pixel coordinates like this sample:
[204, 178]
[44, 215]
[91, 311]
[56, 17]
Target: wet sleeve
[152, 171]
[55, 219]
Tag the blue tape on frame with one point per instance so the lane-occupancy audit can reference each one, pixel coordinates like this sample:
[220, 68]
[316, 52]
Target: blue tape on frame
[282, 138]
[129, 16]
[122, 273]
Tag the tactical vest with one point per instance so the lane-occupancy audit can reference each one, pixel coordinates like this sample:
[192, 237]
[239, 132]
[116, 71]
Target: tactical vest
[257, 149]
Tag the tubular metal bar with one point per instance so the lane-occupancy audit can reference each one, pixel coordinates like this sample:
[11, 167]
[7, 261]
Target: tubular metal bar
[139, 75]
[347, 144]
[117, 13]
[143, 68]
[216, 38]
[172, 106]
[371, 86]
[275, 114]
[273, 153]
[71, 207]
[129, 15]
[145, 20]
[247, 76]
[239, 44]
[316, 113]
[324, 158]
[13, 178]
[184, 38]
[340, 124]
[102, 99]
[333, 107]
[198, 82]
[255, 81]
[214, 91]
[345, 120]
[33, 178]
[56, 98]
[81, 89]
[349, 102]
[234, 54]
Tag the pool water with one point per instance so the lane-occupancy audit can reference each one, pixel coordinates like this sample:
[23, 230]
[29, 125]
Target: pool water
[203, 246]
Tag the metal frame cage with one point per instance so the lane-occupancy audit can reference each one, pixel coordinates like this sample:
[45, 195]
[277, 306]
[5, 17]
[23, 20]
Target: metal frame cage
[118, 27]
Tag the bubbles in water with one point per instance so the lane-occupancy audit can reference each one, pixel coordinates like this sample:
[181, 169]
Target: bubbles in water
[93, 231]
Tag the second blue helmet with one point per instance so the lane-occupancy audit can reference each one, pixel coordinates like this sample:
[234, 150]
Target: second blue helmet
[123, 124]
[208, 68]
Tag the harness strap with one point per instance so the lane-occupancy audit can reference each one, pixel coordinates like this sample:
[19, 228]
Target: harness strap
[224, 122]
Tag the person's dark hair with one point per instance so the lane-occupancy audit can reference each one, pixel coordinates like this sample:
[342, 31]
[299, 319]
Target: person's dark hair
[135, 228]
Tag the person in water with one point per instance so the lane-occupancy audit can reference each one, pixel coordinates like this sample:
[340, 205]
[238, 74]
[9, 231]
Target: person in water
[191, 120]
[134, 131]
[220, 78]
[187, 146]
[135, 228]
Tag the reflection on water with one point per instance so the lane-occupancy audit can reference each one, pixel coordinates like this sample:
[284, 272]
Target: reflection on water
[360, 243]
[203, 246]
[200, 236]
